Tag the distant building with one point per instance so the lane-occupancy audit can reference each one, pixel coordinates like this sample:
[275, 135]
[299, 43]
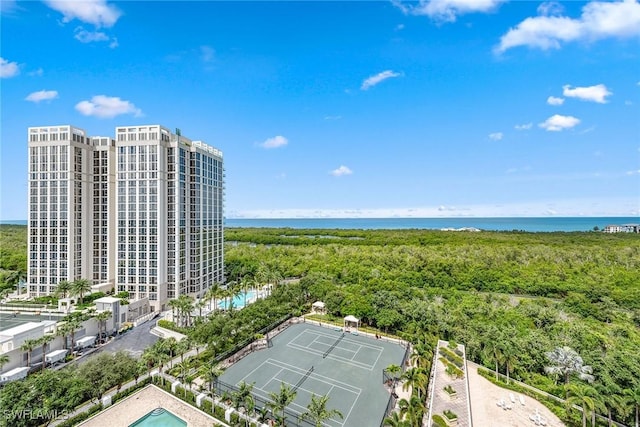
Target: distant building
[141, 213]
[625, 228]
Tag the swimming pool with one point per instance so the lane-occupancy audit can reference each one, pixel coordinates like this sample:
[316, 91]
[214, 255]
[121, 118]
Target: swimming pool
[238, 300]
[159, 417]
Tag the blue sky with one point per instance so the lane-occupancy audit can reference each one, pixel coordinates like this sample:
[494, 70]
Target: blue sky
[347, 109]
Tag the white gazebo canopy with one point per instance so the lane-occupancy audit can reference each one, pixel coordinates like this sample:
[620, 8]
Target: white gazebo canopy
[318, 307]
[351, 322]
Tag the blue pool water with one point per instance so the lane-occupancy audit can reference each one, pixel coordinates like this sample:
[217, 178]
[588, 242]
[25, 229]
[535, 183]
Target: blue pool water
[159, 417]
[238, 300]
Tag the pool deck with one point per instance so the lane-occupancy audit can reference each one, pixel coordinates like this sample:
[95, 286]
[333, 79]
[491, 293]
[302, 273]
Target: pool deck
[131, 409]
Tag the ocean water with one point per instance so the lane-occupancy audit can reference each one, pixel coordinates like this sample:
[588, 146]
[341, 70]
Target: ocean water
[534, 224]
[546, 224]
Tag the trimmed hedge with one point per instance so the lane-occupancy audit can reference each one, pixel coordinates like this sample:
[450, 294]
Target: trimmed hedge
[452, 357]
[438, 421]
[171, 326]
[75, 420]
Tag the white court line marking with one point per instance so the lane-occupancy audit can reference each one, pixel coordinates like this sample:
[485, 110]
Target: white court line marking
[303, 409]
[314, 375]
[352, 390]
[334, 357]
[345, 339]
[271, 379]
[255, 369]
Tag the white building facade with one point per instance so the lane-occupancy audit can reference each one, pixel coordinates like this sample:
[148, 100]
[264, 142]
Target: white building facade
[143, 212]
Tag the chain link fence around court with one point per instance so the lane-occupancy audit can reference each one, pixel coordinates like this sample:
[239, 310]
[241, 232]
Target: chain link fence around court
[251, 344]
[390, 380]
[292, 419]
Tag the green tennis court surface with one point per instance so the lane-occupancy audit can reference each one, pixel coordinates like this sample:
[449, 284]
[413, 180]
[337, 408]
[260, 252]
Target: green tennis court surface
[10, 320]
[322, 361]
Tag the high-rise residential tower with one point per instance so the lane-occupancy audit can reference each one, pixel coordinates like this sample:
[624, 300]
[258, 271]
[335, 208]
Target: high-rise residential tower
[143, 212]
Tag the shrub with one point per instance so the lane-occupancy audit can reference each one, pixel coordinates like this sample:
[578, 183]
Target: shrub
[452, 357]
[449, 389]
[75, 420]
[450, 414]
[438, 421]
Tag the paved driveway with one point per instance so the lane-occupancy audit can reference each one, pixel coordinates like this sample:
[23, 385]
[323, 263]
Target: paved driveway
[135, 341]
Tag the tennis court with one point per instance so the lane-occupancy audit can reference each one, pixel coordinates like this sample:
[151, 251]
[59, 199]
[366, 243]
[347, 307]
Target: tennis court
[322, 361]
[9, 320]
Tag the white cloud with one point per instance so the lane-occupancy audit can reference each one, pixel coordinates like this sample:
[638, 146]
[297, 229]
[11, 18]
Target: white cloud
[557, 123]
[599, 20]
[275, 142]
[399, 27]
[114, 43]
[342, 170]
[106, 107]
[635, 172]
[332, 117]
[85, 36]
[552, 100]
[448, 10]
[96, 12]
[207, 53]
[43, 95]
[496, 136]
[550, 8]
[525, 126]
[8, 69]
[597, 93]
[378, 78]
[621, 206]
[36, 73]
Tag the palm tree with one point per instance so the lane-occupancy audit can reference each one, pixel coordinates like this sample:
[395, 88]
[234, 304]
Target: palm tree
[509, 357]
[250, 406]
[421, 356]
[63, 331]
[566, 361]
[395, 420]
[102, 318]
[412, 410]
[28, 345]
[72, 325]
[493, 347]
[211, 294]
[632, 397]
[174, 304]
[280, 401]
[63, 288]
[611, 401]
[44, 341]
[168, 346]
[317, 411]
[415, 378]
[210, 372]
[4, 359]
[584, 396]
[394, 372]
[185, 307]
[159, 358]
[245, 285]
[239, 397]
[183, 346]
[80, 287]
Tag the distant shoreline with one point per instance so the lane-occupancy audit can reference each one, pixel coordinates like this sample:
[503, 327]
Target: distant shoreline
[527, 224]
